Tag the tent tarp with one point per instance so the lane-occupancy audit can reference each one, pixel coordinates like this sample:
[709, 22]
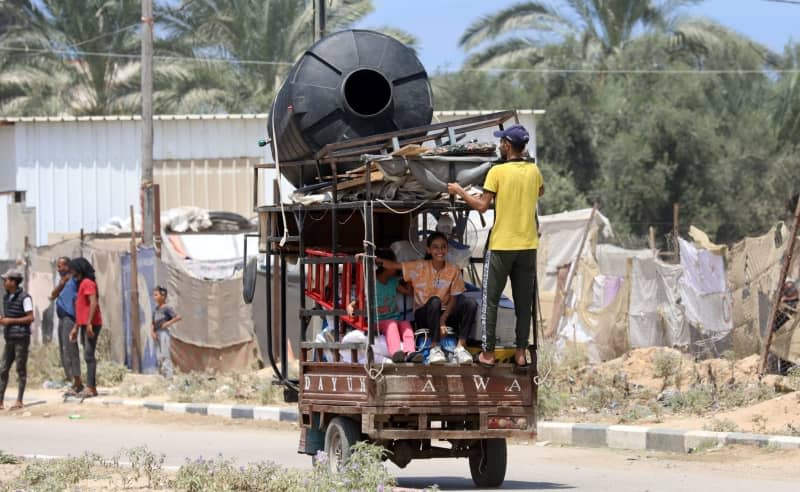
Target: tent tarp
[656, 313]
[187, 357]
[600, 322]
[560, 238]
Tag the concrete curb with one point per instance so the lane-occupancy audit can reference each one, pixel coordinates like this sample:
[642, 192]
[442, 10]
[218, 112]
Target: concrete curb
[248, 412]
[653, 438]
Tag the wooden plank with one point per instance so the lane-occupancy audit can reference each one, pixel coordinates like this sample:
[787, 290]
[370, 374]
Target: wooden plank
[331, 345]
[444, 434]
[353, 183]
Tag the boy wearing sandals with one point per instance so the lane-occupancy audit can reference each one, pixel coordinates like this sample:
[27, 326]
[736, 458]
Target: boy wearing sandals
[515, 185]
[16, 322]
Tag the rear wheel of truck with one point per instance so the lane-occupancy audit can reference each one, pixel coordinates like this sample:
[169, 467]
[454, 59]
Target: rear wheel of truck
[488, 463]
[342, 433]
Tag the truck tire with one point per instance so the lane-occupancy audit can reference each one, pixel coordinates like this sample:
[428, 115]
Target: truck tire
[249, 277]
[488, 464]
[340, 436]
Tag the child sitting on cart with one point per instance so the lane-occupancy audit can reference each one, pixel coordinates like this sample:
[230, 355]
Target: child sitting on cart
[438, 302]
[399, 333]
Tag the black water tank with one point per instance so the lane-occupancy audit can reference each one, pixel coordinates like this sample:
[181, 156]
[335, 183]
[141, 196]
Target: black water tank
[350, 84]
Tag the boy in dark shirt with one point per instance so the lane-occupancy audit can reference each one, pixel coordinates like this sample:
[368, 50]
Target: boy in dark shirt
[163, 317]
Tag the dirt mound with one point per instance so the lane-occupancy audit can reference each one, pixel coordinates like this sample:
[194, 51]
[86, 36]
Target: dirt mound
[647, 367]
[779, 415]
[638, 366]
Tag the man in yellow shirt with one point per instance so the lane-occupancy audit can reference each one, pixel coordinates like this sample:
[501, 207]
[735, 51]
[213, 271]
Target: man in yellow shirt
[515, 185]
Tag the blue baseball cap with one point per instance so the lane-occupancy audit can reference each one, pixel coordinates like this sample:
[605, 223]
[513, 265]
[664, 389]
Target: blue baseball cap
[516, 134]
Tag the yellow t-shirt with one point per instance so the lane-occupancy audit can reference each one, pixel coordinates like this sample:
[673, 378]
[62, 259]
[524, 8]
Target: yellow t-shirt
[516, 190]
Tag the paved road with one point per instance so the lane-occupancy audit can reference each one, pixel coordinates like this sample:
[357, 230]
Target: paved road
[530, 468]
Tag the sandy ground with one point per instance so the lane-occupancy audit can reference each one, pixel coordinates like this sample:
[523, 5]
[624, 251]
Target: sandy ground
[773, 416]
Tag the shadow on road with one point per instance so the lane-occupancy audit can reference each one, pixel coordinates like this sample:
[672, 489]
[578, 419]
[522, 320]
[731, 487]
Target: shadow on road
[459, 483]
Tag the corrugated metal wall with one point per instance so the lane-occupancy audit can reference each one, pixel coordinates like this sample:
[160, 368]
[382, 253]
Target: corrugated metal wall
[79, 173]
[215, 184]
[7, 168]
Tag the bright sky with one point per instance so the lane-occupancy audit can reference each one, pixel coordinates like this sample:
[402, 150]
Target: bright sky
[439, 23]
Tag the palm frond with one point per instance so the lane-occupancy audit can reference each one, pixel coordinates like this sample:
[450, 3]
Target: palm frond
[521, 16]
[506, 53]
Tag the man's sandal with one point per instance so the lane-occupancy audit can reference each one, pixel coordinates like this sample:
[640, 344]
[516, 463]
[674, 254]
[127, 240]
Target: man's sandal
[485, 365]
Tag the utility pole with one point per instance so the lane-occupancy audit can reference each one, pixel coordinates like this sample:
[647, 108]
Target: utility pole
[319, 19]
[676, 211]
[147, 123]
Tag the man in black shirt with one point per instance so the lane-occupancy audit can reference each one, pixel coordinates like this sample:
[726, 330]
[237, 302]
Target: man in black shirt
[16, 321]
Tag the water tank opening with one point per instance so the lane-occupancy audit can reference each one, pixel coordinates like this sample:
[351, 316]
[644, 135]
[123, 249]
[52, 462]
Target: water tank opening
[367, 92]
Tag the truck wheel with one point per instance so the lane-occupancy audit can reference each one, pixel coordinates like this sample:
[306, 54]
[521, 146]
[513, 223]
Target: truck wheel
[342, 433]
[488, 463]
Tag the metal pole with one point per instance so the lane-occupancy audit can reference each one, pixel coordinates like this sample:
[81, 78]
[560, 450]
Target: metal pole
[147, 123]
[319, 19]
[573, 267]
[369, 266]
[676, 208]
[776, 301]
[134, 304]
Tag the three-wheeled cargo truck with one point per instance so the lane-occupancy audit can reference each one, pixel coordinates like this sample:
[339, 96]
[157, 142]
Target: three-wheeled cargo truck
[413, 410]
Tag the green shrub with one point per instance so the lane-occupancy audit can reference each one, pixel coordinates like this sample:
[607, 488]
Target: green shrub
[695, 400]
[110, 373]
[551, 402]
[144, 465]
[635, 413]
[56, 475]
[8, 459]
[740, 395]
[44, 364]
[793, 378]
[667, 365]
[721, 425]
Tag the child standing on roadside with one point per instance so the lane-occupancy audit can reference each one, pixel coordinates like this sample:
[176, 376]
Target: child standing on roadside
[163, 317]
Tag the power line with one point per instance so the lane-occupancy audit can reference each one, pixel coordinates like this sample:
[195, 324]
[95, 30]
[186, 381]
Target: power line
[632, 71]
[791, 2]
[588, 71]
[132, 56]
[104, 35]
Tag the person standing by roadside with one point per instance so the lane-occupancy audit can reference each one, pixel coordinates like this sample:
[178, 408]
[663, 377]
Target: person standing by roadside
[16, 321]
[515, 186]
[64, 295]
[163, 317]
[88, 320]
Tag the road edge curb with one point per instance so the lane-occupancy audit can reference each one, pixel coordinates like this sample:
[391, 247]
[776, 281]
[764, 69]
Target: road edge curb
[653, 438]
[246, 412]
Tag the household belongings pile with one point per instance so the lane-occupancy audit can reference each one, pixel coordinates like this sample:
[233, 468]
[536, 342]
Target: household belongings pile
[411, 173]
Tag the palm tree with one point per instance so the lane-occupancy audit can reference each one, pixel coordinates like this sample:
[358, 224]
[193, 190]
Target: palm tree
[521, 32]
[259, 41]
[786, 112]
[81, 56]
